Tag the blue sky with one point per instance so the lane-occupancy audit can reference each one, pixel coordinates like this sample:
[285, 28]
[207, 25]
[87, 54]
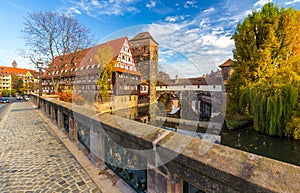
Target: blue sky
[194, 36]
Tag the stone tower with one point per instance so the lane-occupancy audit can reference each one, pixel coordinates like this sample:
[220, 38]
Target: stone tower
[145, 52]
[14, 64]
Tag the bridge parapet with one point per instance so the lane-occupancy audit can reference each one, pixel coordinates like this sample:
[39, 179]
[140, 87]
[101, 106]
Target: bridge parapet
[206, 166]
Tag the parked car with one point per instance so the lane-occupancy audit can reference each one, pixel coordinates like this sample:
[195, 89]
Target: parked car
[26, 97]
[4, 100]
[19, 97]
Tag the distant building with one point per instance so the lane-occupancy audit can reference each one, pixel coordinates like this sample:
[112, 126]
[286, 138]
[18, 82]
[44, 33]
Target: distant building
[226, 70]
[143, 92]
[203, 94]
[163, 76]
[10, 75]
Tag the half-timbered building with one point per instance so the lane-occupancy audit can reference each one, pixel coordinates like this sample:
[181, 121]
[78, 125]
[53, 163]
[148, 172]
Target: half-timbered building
[82, 75]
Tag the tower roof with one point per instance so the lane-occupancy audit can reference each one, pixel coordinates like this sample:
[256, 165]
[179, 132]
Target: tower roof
[143, 35]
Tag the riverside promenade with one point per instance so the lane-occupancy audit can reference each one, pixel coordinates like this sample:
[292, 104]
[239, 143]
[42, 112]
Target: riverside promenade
[33, 158]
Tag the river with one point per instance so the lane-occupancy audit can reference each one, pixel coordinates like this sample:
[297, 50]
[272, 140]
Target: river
[247, 139]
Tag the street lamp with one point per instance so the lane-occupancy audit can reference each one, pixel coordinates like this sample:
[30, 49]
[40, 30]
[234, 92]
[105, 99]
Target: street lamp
[39, 65]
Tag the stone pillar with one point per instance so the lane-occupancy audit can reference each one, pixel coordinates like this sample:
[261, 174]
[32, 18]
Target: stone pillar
[97, 142]
[73, 134]
[53, 113]
[43, 103]
[46, 109]
[60, 119]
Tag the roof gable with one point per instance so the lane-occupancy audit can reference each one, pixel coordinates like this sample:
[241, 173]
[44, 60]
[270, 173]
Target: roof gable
[227, 63]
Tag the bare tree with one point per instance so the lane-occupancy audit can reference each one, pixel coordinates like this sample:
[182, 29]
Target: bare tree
[56, 38]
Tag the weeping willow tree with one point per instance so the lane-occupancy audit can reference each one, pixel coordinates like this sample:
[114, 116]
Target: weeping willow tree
[272, 103]
[265, 80]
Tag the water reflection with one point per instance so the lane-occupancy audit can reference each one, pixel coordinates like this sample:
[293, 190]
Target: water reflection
[249, 140]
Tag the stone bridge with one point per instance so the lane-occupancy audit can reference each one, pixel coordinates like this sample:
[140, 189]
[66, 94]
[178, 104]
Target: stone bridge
[154, 160]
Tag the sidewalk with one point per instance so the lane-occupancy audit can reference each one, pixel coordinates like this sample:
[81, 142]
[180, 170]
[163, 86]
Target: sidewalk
[33, 159]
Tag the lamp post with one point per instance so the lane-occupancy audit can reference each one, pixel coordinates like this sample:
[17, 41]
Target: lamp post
[39, 65]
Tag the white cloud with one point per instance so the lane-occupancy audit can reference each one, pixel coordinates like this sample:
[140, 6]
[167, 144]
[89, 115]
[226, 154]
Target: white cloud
[292, 2]
[209, 10]
[217, 30]
[151, 4]
[174, 18]
[74, 10]
[204, 22]
[95, 2]
[216, 42]
[261, 3]
[94, 8]
[189, 4]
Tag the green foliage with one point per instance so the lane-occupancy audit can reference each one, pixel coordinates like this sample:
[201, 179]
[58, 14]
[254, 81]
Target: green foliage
[293, 127]
[5, 93]
[107, 64]
[13, 92]
[265, 80]
[271, 105]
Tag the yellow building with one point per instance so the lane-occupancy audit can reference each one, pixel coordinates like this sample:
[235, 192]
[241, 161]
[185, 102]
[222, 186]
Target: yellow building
[11, 77]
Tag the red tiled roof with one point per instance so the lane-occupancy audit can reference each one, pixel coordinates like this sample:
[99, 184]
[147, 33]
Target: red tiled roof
[18, 71]
[227, 63]
[128, 71]
[144, 83]
[86, 57]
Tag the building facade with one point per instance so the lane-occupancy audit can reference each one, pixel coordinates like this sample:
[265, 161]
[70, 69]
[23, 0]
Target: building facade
[24, 80]
[82, 77]
[226, 70]
[204, 95]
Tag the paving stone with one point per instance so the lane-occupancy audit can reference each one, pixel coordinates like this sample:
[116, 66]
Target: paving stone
[33, 159]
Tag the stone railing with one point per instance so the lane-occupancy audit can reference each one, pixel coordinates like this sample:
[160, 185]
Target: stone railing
[191, 163]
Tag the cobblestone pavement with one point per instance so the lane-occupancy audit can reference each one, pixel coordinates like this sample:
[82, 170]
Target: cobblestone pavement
[33, 159]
